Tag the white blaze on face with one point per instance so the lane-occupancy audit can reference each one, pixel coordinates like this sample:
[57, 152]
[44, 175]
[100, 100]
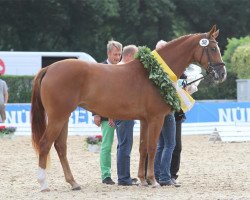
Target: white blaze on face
[218, 49]
[224, 67]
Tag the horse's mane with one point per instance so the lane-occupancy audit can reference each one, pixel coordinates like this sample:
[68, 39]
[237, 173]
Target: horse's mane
[180, 39]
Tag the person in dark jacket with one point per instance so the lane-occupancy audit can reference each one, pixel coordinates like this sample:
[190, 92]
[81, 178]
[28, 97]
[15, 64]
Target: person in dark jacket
[176, 156]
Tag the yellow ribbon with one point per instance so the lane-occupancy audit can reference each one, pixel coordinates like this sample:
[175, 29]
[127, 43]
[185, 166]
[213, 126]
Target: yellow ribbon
[186, 100]
[164, 66]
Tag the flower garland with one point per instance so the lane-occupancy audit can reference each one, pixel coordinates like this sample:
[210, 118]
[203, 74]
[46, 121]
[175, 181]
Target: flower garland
[159, 77]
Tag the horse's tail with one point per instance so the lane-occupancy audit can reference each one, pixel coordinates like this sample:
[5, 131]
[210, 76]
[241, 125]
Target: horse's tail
[38, 115]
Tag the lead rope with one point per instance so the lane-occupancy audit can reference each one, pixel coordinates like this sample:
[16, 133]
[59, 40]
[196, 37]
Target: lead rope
[186, 84]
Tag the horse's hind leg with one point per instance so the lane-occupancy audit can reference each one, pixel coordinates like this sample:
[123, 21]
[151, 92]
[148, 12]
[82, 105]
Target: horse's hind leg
[61, 148]
[51, 133]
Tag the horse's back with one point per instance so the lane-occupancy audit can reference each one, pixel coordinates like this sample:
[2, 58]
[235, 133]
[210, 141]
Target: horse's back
[68, 67]
[63, 83]
[117, 91]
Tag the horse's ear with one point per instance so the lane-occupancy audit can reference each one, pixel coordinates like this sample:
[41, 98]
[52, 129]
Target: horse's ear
[211, 32]
[215, 34]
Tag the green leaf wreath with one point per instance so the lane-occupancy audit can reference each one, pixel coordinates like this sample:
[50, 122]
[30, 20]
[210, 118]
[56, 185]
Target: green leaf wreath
[159, 77]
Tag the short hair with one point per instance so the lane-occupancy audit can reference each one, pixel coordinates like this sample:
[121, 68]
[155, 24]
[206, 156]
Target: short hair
[112, 43]
[129, 49]
[160, 44]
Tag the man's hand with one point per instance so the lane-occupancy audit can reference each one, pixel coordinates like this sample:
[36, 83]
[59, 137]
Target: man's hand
[111, 123]
[97, 120]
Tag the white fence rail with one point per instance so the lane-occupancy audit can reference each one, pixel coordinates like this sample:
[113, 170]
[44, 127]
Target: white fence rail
[226, 131]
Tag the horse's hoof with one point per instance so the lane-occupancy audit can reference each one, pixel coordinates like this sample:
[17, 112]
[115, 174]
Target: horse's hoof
[144, 184]
[155, 185]
[45, 190]
[76, 187]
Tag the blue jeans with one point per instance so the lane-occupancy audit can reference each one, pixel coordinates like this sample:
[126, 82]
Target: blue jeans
[124, 130]
[165, 149]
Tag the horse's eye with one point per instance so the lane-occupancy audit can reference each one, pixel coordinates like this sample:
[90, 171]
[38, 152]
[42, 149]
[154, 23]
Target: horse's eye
[213, 48]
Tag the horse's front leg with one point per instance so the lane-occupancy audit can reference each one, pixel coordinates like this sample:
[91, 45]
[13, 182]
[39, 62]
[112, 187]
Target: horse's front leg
[143, 152]
[154, 129]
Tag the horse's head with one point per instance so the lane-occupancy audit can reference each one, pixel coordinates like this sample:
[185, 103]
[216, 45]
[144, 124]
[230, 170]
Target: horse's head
[209, 56]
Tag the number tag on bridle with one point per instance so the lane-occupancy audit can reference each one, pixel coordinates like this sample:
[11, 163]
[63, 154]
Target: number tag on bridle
[204, 42]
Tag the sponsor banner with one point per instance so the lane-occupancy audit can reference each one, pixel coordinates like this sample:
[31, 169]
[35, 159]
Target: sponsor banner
[20, 114]
[219, 112]
[201, 112]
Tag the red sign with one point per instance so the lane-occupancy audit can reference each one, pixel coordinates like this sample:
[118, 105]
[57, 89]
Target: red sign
[2, 67]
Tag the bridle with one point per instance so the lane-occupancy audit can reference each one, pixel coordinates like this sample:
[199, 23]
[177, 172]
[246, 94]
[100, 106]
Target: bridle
[204, 42]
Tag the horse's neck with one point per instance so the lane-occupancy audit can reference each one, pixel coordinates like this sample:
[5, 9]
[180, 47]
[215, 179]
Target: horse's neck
[179, 53]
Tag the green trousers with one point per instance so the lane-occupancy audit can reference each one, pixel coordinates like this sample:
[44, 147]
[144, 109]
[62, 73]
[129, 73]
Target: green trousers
[105, 155]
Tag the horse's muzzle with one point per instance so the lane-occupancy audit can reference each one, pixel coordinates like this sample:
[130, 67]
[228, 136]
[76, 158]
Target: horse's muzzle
[219, 73]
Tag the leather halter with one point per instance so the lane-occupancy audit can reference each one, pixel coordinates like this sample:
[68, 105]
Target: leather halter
[211, 65]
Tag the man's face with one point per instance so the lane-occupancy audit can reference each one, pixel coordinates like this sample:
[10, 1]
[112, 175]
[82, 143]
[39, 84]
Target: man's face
[114, 55]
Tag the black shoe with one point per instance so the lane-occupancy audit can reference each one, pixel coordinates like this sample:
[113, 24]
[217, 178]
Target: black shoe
[133, 182]
[108, 181]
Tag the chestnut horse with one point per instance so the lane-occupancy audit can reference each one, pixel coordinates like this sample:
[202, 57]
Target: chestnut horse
[118, 92]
